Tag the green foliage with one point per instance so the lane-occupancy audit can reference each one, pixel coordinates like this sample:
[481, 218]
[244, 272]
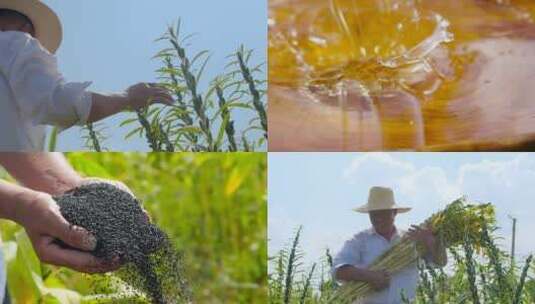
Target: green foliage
[290, 282]
[460, 220]
[243, 57]
[203, 121]
[475, 278]
[53, 140]
[212, 205]
[94, 136]
[478, 271]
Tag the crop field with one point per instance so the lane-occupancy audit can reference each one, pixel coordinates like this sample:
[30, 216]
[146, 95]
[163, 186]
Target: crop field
[478, 271]
[204, 116]
[212, 206]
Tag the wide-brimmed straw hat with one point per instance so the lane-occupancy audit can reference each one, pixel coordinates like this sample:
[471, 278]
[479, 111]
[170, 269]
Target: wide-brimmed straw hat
[48, 29]
[381, 198]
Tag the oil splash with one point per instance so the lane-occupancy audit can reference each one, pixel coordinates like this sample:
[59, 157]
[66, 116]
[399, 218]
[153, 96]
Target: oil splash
[336, 44]
[354, 56]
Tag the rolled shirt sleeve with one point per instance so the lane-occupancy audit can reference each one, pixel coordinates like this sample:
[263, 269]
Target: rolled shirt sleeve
[42, 94]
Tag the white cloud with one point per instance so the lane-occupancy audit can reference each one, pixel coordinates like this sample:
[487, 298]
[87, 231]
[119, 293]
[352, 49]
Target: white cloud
[506, 182]
[415, 184]
[378, 157]
[429, 182]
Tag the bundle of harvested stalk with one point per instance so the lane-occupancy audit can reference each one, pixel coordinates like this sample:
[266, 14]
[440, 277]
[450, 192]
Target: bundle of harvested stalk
[458, 220]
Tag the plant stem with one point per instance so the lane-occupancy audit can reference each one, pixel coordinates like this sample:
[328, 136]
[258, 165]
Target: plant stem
[184, 113]
[94, 138]
[471, 270]
[169, 147]
[191, 82]
[306, 289]
[521, 284]
[291, 268]
[53, 140]
[257, 102]
[152, 139]
[225, 116]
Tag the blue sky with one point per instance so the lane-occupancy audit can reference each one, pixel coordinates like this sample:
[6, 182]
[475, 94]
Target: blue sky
[318, 191]
[111, 44]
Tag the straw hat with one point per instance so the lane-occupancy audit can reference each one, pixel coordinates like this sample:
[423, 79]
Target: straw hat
[48, 29]
[381, 198]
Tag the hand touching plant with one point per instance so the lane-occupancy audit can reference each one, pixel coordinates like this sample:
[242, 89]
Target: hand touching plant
[145, 94]
[431, 244]
[423, 235]
[135, 97]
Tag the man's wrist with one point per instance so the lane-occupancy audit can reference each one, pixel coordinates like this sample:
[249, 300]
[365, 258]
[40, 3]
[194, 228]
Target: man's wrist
[105, 105]
[121, 98]
[23, 201]
[14, 199]
[369, 275]
[363, 274]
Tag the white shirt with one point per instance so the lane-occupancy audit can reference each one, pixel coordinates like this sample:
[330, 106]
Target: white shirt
[362, 250]
[34, 94]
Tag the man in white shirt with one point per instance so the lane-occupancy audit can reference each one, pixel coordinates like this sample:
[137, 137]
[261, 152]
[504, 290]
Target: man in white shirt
[351, 263]
[34, 94]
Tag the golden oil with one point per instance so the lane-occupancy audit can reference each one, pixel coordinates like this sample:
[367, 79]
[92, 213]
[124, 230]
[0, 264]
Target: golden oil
[331, 49]
[363, 40]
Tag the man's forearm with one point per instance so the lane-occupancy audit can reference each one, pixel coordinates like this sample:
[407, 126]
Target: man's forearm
[106, 105]
[46, 172]
[349, 273]
[12, 196]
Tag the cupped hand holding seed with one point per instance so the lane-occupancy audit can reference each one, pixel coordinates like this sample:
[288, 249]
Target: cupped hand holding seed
[144, 94]
[40, 216]
[120, 185]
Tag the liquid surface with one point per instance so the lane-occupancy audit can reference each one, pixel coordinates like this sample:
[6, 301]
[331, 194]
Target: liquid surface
[401, 75]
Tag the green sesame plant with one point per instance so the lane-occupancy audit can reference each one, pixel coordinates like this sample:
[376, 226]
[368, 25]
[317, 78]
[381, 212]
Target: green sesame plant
[202, 119]
[93, 134]
[212, 205]
[478, 270]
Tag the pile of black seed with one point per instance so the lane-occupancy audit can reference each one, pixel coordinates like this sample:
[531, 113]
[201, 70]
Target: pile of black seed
[123, 230]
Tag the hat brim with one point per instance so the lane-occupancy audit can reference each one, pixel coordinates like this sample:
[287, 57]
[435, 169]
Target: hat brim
[48, 29]
[367, 209]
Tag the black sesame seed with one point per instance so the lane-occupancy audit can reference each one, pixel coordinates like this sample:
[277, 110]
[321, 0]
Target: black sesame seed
[122, 230]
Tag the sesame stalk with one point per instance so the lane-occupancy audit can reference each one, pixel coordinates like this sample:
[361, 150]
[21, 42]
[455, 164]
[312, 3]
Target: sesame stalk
[192, 85]
[226, 118]
[150, 135]
[257, 102]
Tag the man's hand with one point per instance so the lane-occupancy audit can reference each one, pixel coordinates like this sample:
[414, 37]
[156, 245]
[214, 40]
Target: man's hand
[423, 235]
[144, 94]
[39, 214]
[435, 248]
[379, 280]
[136, 97]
